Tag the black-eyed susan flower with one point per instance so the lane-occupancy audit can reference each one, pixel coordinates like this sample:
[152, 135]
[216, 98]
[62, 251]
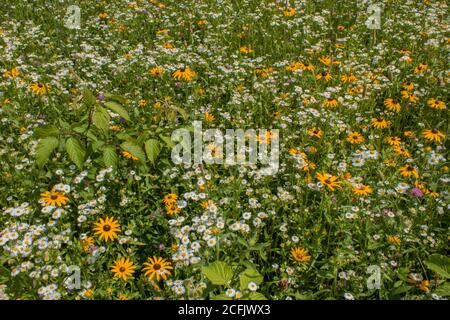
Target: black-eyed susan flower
[380, 123]
[300, 254]
[393, 141]
[157, 267]
[123, 268]
[107, 229]
[186, 74]
[328, 180]
[54, 198]
[170, 198]
[326, 75]
[330, 103]
[355, 138]
[314, 132]
[392, 105]
[409, 171]
[128, 155]
[436, 104]
[156, 71]
[361, 190]
[39, 88]
[394, 240]
[433, 135]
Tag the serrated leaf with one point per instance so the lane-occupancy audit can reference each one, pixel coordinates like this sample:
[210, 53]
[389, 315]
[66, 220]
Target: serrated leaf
[152, 148]
[250, 275]
[134, 149]
[100, 118]
[115, 97]
[117, 108]
[110, 157]
[75, 151]
[219, 273]
[167, 140]
[439, 264]
[46, 131]
[44, 149]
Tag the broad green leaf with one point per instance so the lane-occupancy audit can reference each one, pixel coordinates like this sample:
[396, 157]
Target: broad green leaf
[110, 157]
[134, 149]
[250, 275]
[88, 97]
[439, 264]
[115, 97]
[218, 273]
[117, 108]
[76, 151]
[46, 131]
[221, 297]
[100, 118]
[152, 149]
[443, 290]
[256, 296]
[44, 149]
[167, 140]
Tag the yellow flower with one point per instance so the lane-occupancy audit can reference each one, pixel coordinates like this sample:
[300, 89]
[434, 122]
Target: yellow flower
[313, 132]
[142, 102]
[107, 229]
[209, 117]
[409, 171]
[362, 190]
[87, 243]
[54, 198]
[424, 286]
[300, 255]
[433, 135]
[436, 104]
[185, 74]
[245, 50]
[393, 141]
[123, 268]
[380, 123]
[395, 240]
[330, 103]
[170, 198]
[355, 138]
[392, 105]
[39, 88]
[157, 266]
[324, 75]
[289, 12]
[128, 155]
[328, 180]
[102, 15]
[156, 71]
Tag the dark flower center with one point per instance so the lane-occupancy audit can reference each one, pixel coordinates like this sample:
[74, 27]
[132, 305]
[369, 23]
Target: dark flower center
[106, 227]
[324, 74]
[122, 269]
[156, 266]
[54, 197]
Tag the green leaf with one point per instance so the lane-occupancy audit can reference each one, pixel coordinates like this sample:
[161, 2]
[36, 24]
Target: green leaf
[46, 131]
[76, 151]
[250, 275]
[115, 97]
[439, 264]
[152, 149]
[44, 149]
[218, 273]
[100, 118]
[221, 297]
[256, 296]
[167, 140]
[443, 290]
[134, 149]
[110, 157]
[88, 97]
[117, 108]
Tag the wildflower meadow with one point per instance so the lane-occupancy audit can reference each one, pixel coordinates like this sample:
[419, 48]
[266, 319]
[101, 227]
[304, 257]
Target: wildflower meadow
[224, 150]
